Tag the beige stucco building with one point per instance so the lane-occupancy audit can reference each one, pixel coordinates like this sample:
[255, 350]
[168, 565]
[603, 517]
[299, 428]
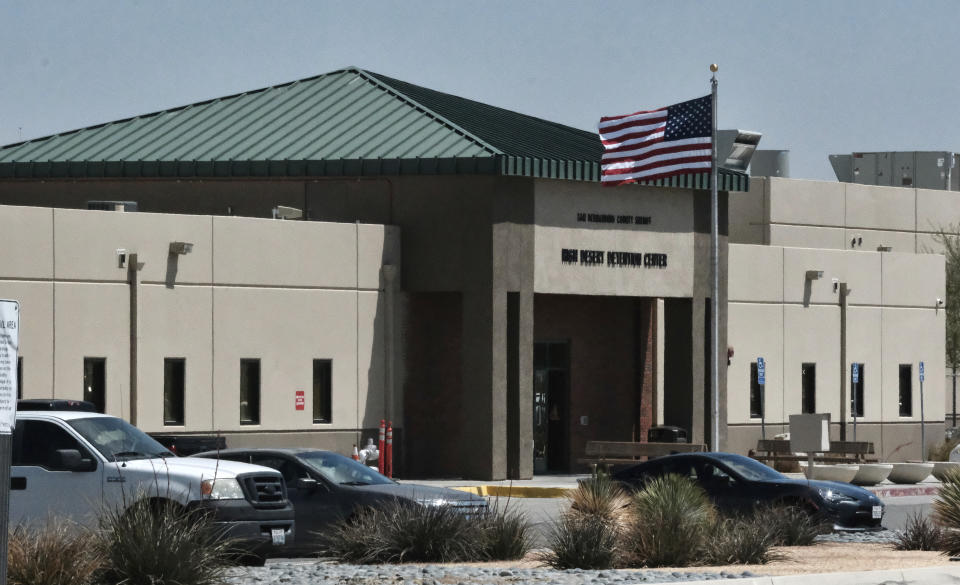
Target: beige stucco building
[799, 245]
[458, 271]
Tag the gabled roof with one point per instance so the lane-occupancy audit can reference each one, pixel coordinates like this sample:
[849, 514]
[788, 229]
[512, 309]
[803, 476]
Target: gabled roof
[345, 123]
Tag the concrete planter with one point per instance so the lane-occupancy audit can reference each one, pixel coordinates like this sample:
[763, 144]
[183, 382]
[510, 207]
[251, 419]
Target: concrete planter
[941, 468]
[839, 472]
[910, 472]
[872, 473]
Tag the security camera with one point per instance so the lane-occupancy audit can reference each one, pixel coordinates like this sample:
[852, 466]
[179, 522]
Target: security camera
[939, 301]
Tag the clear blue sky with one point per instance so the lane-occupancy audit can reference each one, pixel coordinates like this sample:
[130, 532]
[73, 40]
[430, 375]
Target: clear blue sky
[815, 77]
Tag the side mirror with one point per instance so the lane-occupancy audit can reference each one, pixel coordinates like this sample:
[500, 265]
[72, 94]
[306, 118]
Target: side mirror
[71, 460]
[307, 483]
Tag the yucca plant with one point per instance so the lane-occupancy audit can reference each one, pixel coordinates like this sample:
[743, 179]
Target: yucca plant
[580, 541]
[742, 540]
[56, 553]
[506, 533]
[399, 532]
[790, 525]
[602, 498]
[941, 451]
[946, 512]
[919, 534]
[671, 520]
[160, 543]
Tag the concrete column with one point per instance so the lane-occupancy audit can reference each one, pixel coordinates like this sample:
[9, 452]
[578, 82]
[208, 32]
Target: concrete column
[658, 394]
[700, 370]
[484, 414]
[389, 273]
[519, 385]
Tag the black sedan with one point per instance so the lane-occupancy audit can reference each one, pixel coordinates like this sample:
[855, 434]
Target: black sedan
[326, 487]
[737, 483]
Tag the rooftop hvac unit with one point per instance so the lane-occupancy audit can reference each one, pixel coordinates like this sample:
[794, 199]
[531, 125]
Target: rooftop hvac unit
[921, 169]
[112, 205]
[770, 163]
[735, 148]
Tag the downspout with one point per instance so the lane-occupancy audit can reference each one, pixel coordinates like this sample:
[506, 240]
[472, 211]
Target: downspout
[133, 279]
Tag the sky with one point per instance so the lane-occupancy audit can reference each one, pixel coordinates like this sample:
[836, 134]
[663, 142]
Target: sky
[814, 77]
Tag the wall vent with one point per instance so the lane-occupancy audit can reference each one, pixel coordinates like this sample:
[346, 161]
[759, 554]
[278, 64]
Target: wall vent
[112, 205]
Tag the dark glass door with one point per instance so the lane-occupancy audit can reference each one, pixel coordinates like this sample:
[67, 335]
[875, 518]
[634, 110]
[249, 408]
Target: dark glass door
[551, 387]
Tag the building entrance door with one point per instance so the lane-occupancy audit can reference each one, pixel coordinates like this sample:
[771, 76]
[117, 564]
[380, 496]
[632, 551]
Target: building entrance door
[551, 388]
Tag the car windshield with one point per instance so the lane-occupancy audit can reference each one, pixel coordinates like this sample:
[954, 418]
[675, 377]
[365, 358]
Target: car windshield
[750, 469]
[342, 470]
[118, 440]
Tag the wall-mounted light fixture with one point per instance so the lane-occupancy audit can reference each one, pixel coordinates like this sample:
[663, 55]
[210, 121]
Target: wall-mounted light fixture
[181, 247]
[121, 258]
[814, 274]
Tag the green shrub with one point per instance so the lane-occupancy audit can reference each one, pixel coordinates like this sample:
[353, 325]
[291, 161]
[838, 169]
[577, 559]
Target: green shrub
[946, 512]
[919, 534]
[790, 525]
[399, 532]
[506, 533]
[941, 451]
[57, 553]
[580, 541]
[741, 540]
[159, 543]
[672, 518]
[602, 498]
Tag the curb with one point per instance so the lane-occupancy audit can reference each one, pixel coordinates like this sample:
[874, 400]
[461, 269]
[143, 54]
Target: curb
[903, 491]
[928, 576]
[506, 491]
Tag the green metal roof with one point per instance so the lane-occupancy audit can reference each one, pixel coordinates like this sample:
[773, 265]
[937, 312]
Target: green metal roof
[345, 123]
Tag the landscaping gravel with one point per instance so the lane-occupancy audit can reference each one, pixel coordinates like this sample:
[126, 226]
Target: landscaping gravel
[316, 572]
[878, 536]
[310, 572]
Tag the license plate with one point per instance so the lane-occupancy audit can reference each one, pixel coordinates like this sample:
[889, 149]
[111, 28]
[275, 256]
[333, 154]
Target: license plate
[278, 536]
[878, 511]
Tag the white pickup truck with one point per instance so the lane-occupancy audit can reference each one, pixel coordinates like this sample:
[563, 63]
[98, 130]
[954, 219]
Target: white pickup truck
[72, 463]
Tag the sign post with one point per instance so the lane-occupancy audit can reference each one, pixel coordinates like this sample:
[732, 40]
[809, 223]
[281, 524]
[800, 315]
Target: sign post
[9, 348]
[855, 373]
[761, 382]
[923, 435]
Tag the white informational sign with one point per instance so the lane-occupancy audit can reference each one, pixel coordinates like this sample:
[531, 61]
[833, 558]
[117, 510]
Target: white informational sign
[9, 346]
[810, 433]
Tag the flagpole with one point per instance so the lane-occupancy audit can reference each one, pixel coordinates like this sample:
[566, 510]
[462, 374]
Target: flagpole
[714, 271]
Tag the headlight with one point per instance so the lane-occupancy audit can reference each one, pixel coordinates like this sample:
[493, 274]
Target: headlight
[221, 489]
[834, 497]
[432, 502]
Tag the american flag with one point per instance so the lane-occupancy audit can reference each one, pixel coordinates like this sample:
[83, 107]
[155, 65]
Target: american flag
[643, 146]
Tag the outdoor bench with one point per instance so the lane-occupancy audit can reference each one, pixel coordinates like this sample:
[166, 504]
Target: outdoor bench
[609, 453]
[778, 450]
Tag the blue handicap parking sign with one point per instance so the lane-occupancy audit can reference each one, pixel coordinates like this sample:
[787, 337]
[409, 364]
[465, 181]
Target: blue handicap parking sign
[921, 371]
[856, 373]
[761, 371]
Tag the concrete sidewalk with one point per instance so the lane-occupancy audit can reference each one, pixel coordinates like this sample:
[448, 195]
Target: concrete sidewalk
[556, 486]
[945, 575]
